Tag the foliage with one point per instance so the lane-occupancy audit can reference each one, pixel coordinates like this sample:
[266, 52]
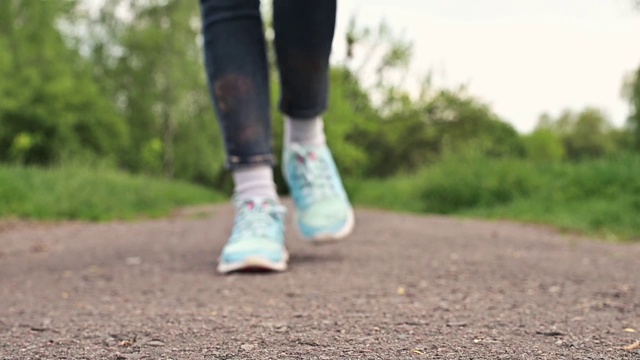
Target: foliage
[424, 130]
[72, 192]
[632, 93]
[544, 145]
[383, 64]
[407, 132]
[50, 108]
[151, 62]
[599, 196]
[585, 134]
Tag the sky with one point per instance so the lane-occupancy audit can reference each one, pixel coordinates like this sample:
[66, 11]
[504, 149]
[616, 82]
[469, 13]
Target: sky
[522, 57]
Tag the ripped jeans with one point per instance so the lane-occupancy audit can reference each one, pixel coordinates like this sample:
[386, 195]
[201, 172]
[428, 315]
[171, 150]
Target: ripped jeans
[238, 71]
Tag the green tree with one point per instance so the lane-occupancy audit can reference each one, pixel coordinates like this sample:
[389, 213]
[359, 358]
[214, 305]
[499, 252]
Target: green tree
[465, 122]
[585, 134]
[544, 145]
[408, 131]
[151, 60]
[631, 91]
[50, 108]
[379, 59]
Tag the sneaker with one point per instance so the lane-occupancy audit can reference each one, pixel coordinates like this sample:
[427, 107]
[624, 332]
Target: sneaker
[323, 211]
[257, 238]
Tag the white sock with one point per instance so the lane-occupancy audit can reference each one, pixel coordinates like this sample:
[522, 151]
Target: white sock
[254, 181]
[308, 132]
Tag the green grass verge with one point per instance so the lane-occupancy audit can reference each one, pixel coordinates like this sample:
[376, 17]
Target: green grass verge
[598, 197]
[79, 193]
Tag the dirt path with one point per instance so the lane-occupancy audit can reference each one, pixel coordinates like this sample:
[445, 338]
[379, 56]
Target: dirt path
[403, 287]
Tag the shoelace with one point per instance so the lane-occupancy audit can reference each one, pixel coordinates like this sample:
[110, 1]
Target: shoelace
[313, 173]
[256, 217]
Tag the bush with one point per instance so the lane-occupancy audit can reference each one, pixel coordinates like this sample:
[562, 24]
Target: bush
[459, 183]
[91, 193]
[599, 196]
[544, 145]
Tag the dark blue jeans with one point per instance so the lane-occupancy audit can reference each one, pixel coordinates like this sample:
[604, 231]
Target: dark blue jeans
[237, 69]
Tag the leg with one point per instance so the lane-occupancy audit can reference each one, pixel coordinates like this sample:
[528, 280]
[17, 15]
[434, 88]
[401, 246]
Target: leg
[304, 33]
[236, 64]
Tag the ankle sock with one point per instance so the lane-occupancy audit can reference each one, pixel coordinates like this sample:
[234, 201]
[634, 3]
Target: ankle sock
[307, 132]
[254, 181]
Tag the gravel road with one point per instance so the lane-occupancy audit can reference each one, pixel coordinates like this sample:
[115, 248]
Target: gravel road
[402, 287]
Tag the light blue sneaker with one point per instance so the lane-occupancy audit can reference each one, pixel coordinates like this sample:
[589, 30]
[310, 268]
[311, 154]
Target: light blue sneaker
[257, 238]
[323, 211]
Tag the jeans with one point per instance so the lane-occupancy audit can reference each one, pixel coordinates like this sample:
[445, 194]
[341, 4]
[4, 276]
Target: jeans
[238, 72]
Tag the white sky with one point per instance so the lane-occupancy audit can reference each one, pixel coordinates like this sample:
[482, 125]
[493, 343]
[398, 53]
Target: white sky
[523, 57]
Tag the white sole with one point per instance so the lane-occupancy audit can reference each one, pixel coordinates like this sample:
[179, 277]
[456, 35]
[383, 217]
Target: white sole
[256, 263]
[324, 238]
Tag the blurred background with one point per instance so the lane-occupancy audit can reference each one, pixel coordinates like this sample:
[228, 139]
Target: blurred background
[525, 110]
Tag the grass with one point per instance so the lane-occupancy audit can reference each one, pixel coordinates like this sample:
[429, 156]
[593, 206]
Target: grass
[596, 197]
[95, 194]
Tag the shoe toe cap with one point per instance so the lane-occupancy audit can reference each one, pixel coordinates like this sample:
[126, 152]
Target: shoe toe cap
[325, 214]
[240, 251]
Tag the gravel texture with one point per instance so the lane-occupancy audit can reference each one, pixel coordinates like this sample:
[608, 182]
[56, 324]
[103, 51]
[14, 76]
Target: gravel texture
[402, 287]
